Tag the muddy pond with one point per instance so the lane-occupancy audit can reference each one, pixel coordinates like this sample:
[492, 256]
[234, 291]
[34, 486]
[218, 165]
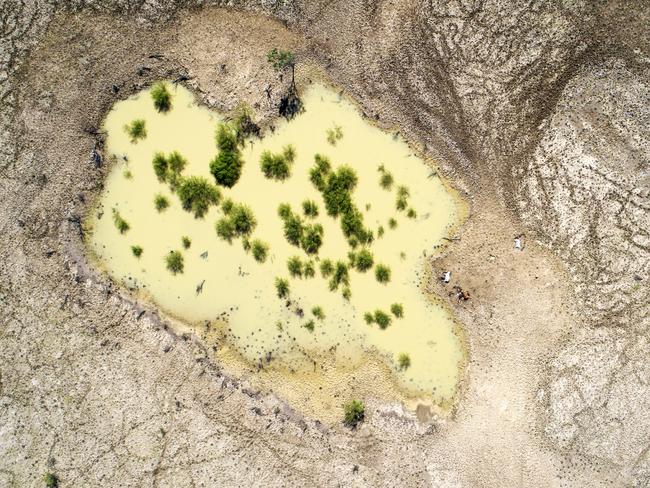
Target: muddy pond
[319, 248]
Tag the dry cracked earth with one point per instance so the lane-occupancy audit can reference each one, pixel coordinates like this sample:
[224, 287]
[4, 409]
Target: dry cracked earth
[538, 112]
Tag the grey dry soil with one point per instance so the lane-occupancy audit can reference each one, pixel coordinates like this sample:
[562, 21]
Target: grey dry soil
[537, 111]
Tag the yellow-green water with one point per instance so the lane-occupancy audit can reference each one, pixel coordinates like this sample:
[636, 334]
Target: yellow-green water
[238, 294]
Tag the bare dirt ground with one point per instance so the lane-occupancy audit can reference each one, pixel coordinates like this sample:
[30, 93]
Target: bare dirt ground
[538, 112]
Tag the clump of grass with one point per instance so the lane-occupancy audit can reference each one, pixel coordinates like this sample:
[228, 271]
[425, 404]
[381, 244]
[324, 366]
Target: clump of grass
[392, 223]
[380, 231]
[309, 208]
[197, 194]
[347, 293]
[308, 269]
[282, 287]
[318, 312]
[260, 250]
[226, 166]
[136, 130]
[243, 122]
[310, 325]
[50, 480]
[402, 198]
[168, 169]
[127, 174]
[186, 242]
[382, 319]
[369, 318]
[386, 181]
[382, 273]
[336, 188]
[340, 276]
[295, 267]
[239, 222]
[411, 213]
[278, 166]
[312, 238]
[160, 202]
[137, 251]
[121, 224]
[397, 309]
[326, 268]
[364, 260]
[404, 361]
[225, 229]
[227, 206]
[293, 225]
[334, 135]
[174, 262]
[354, 413]
[162, 99]
[246, 245]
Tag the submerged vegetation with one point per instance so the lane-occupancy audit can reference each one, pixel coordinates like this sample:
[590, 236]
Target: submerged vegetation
[136, 130]
[353, 413]
[278, 166]
[174, 262]
[162, 99]
[226, 166]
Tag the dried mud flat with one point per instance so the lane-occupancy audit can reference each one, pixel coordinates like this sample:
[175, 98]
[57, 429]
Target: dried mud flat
[538, 113]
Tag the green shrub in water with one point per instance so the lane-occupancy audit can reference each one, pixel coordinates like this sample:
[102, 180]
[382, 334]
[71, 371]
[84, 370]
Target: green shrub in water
[225, 229]
[364, 260]
[278, 166]
[397, 309]
[282, 287]
[318, 312]
[174, 262]
[334, 135]
[309, 208]
[136, 130]
[312, 238]
[382, 273]
[160, 202]
[339, 276]
[353, 413]
[162, 99]
[293, 230]
[326, 268]
[197, 194]
[260, 250]
[308, 269]
[226, 166]
[386, 181]
[310, 325]
[294, 265]
[121, 224]
[404, 361]
[382, 319]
